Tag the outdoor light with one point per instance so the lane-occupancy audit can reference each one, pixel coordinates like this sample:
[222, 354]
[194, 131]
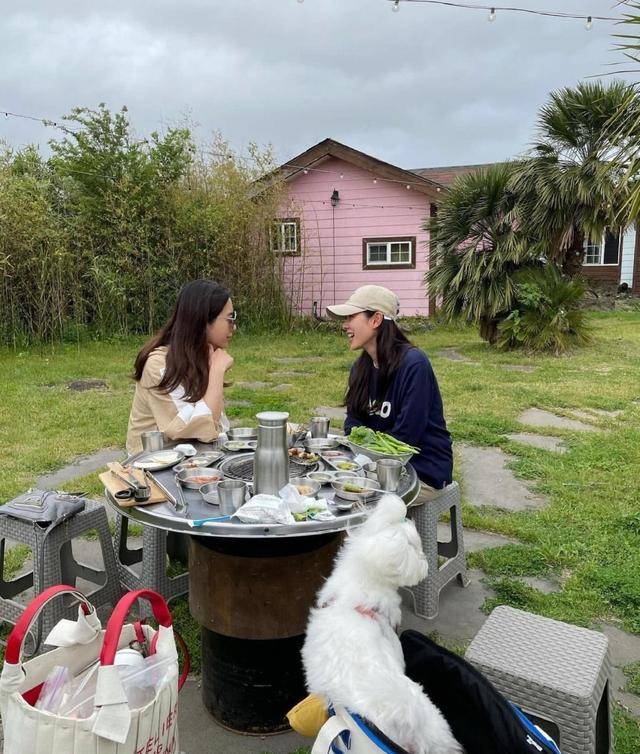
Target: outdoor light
[492, 14]
[335, 198]
[589, 23]
[396, 6]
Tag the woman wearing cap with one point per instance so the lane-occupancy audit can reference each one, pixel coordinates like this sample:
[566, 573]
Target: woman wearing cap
[392, 387]
[180, 372]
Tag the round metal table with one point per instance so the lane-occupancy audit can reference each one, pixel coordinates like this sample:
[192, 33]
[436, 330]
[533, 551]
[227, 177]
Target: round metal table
[251, 587]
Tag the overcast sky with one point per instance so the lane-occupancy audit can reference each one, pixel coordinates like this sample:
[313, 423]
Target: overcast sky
[426, 86]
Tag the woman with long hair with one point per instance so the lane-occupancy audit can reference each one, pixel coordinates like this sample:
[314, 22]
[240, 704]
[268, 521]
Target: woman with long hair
[392, 387]
[180, 372]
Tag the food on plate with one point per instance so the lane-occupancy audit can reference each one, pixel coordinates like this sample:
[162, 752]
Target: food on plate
[305, 490]
[298, 454]
[349, 487]
[346, 465]
[380, 442]
[237, 445]
[204, 478]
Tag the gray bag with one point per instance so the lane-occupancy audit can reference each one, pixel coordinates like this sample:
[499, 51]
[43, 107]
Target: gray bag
[43, 506]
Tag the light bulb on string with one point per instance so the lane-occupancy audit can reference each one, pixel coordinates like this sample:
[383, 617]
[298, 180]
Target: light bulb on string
[375, 180]
[300, 1]
[408, 187]
[492, 14]
[589, 23]
[341, 176]
[396, 6]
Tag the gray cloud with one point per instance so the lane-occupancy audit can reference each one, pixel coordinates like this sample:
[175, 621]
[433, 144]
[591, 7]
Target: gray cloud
[425, 86]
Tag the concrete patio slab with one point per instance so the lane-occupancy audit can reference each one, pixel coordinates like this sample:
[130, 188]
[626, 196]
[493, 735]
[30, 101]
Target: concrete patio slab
[257, 385]
[537, 417]
[298, 359]
[544, 442]
[333, 412]
[486, 480]
[453, 355]
[286, 373]
[237, 404]
[282, 388]
[475, 540]
[546, 586]
[593, 413]
[79, 467]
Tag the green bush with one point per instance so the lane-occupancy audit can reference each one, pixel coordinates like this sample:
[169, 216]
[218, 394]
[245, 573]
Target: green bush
[548, 316]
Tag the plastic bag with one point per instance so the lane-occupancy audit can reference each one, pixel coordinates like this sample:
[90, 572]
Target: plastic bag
[265, 509]
[304, 508]
[53, 689]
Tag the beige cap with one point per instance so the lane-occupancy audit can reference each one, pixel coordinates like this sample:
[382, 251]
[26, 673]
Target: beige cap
[368, 298]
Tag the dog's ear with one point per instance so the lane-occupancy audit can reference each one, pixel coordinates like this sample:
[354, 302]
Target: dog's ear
[389, 510]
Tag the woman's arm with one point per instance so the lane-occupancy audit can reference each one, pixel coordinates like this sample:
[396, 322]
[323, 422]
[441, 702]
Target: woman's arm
[219, 362]
[413, 404]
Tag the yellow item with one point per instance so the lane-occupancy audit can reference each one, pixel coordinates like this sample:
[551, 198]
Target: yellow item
[308, 716]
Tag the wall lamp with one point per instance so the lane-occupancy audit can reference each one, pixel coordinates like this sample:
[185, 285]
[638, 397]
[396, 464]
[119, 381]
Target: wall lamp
[335, 198]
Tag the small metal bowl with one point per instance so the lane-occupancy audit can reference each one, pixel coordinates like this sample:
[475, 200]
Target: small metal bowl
[320, 444]
[306, 481]
[200, 461]
[242, 433]
[343, 475]
[368, 485]
[370, 470]
[323, 477]
[209, 493]
[186, 477]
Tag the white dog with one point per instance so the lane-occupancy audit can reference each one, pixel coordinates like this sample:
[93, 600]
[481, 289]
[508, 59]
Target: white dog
[352, 655]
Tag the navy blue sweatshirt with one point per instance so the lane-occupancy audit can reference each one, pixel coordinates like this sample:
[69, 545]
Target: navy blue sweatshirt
[411, 410]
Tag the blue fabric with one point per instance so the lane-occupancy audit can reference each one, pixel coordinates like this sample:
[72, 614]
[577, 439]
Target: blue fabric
[411, 410]
[534, 732]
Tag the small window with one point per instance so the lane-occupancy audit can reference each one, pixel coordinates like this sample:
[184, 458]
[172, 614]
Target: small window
[285, 236]
[385, 253]
[604, 251]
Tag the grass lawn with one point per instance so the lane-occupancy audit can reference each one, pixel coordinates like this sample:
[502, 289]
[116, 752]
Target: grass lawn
[588, 538]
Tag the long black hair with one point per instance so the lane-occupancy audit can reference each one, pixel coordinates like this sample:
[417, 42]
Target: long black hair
[391, 344]
[185, 333]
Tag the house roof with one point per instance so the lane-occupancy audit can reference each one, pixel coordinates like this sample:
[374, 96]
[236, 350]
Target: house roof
[447, 174]
[327, 148]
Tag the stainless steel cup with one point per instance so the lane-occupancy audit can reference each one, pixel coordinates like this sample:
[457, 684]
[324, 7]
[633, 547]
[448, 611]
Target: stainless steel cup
[319, 426]
[152, 441]
[389, 471]
[231, 493]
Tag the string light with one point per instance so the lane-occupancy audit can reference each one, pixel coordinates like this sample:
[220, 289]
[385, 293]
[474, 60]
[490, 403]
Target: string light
[396, 6]
[513, 9]
[589, 23]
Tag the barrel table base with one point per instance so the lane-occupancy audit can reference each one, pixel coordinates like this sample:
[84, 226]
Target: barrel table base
[252, 599]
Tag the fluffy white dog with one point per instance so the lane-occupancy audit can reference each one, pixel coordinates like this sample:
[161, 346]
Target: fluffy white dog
[352, 655]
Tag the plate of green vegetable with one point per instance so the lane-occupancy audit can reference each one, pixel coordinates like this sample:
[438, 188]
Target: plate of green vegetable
[358, 488]
[377, 445]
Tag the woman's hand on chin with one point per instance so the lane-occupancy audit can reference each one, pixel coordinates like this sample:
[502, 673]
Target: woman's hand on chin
[219, 360]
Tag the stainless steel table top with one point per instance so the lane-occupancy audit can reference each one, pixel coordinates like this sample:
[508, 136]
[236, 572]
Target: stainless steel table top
[163, 515]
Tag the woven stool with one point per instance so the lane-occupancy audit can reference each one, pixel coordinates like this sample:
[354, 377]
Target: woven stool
[558, 673]
[156, 545]
[54, 563]
[426, 595]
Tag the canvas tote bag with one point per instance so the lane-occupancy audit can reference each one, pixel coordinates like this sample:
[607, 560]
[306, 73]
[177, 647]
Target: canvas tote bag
[113, 727]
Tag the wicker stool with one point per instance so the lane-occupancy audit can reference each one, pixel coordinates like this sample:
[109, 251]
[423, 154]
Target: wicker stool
[426, 594]
[54, 563]
[156, 545]
[558, 673]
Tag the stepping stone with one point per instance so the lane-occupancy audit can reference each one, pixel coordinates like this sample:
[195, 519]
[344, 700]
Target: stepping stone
[80, 467]
[554, 444]
[237, 404]
[453, 355]
[519, 368]
[475, 541]
[81, 385]
[537, 417]
[592, 413]
[338, 413]
[618, 689]
[253, 385]
[546, 586]
[486, 480]
[299, 359]
[291, 374]
[624, 648]
[282, 388]
[460, 616]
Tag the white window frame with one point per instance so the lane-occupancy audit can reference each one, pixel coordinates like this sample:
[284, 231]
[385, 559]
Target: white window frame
[386, 263]
[280, 225]
[600, 246]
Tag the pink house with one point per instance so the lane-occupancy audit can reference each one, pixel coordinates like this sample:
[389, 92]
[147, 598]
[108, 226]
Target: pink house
[351, 219]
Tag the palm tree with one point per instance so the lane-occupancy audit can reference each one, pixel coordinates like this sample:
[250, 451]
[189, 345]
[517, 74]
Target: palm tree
[570, 189]
[476, 246]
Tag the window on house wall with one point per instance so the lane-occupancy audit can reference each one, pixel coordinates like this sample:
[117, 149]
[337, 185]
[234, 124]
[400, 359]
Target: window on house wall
[605, 250]
[285, 236]
[387, 253]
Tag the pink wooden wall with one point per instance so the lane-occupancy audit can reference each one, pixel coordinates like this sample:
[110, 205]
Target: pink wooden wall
[330, 266]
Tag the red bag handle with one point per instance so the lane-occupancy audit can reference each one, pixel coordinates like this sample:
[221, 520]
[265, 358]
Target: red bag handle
[30, 615]
[119, 616]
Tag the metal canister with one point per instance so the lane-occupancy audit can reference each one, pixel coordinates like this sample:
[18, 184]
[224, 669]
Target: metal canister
[271, 462]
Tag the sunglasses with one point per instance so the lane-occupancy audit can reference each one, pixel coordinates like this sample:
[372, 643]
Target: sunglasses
[233, 316]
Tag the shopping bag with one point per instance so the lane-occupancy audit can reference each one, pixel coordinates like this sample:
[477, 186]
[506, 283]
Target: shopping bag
[113, 726]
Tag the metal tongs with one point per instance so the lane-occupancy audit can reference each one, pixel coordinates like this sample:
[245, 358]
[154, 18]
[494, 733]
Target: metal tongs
[139, 492]
[179, 503]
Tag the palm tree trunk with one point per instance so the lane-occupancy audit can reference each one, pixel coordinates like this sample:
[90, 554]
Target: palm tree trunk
[574, 255]
[489, 329]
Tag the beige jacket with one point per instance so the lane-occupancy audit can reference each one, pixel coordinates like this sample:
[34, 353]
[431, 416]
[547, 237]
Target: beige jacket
[168, 412]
